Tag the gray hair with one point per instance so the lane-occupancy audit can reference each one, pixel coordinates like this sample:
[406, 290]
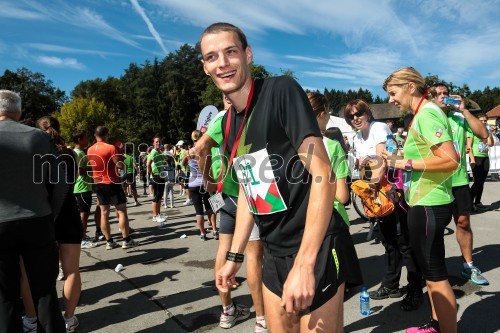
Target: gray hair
[10, 102]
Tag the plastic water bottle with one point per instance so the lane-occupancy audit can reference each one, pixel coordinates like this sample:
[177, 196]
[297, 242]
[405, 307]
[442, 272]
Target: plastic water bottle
[390, 145]
[364, 302]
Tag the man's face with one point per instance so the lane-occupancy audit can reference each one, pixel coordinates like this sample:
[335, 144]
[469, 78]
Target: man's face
[156, 143]
[442, 92]
[225, 61]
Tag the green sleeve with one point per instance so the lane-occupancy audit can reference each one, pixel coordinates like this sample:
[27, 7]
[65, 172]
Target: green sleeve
[214, 130]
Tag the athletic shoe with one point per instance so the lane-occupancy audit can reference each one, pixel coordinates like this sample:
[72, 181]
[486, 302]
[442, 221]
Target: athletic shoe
[216, 235]
[154, 219]
[129, 244]
[29, 324]
[426, 328]
[412, 300]
[188, 202]
[259, 328]
[87, 244]
[203, 237]
[60, 276]
[241, 312]
[480, 205]
[171, 206]
[383, 293]
[71, 324]
[474, 274]
[160, 219]
[137, 203]
[111, 245]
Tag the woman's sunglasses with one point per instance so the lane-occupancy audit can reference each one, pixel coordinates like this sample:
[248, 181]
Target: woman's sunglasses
[357, 114]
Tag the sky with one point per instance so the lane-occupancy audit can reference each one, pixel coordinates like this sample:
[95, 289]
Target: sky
[326, 43]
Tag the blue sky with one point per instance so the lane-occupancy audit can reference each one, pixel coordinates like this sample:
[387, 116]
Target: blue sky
[327, 43]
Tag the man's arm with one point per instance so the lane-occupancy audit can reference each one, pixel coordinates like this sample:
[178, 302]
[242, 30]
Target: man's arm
[298, 290]
[225, 277]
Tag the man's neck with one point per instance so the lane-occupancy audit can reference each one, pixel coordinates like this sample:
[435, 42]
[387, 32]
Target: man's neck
[239, 98]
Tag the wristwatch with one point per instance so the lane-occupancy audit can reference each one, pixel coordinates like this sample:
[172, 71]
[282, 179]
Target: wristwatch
[409, 165]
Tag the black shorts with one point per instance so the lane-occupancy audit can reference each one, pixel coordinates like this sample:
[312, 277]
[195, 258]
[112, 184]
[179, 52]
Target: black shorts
[426, 225]
[200, 199]
[84, 201]
[328, 275]
[158, 184]
[227, 213]
[129, 179]
[463, 200]
[110, 194]
[68, 225]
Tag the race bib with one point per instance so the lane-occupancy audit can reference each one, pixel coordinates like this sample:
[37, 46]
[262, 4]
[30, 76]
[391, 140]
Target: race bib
[256, 176]
[216, 202]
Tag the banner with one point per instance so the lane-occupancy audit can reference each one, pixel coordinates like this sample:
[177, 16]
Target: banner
[206, 115]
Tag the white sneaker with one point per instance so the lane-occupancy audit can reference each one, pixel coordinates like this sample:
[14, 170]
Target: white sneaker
[160, 219]
[188, 202]
[154, 219]
[60, 276]
[128, 245]
[240, 312]
[71, 324]
[111, 245]
[29, 324]
[87, 244]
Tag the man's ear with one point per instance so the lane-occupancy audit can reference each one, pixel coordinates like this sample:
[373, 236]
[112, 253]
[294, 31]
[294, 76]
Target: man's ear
[248, 52]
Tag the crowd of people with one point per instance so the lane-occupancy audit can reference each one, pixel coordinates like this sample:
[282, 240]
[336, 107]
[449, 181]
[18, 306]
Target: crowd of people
[278, 179]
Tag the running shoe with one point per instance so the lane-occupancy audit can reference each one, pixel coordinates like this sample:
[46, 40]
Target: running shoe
[241, 312]
[111, 245]
[188, 202]
[87, 244]
[60, 276]
[129, 244]
[29, 324]
[474, 274]
[137, 203]
[412, 300]
[71, 324]
[216, 235]
[203, 237]
[383, 293]
[260, 328]
[160, 219]
[426, 328]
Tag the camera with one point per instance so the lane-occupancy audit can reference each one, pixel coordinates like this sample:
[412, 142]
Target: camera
[451, 101]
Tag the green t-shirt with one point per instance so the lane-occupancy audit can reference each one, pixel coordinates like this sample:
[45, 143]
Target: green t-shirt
[341, 169]
[129, 163]
[426, 188]
[215, 131]
[158, 161]
[479, 148]
[84, 182]
[400, 140]
[460, 129]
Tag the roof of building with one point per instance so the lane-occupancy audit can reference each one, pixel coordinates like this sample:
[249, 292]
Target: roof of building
[495, 112]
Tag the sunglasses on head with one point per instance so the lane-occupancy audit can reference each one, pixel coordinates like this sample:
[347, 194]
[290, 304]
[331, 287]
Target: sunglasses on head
[357, 114]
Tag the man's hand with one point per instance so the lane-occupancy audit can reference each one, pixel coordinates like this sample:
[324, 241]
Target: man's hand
[461, 106]
[298, 290]
[225, 279]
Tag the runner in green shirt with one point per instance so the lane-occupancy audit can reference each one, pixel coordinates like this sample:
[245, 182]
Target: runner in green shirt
[431, 159]
[462, 124]
[131, 169]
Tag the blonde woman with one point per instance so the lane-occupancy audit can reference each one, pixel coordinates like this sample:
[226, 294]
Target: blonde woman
[429, 162]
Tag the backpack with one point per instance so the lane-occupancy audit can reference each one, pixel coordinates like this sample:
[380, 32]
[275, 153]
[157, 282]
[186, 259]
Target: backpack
[378, 199]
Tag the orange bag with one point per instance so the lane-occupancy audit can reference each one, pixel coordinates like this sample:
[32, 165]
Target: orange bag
[378, 200]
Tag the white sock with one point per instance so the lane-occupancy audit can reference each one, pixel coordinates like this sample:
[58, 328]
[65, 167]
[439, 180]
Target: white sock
[261, 320]
[229, 309]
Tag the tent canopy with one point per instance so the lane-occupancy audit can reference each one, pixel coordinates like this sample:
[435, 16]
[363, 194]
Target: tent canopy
[344, 127]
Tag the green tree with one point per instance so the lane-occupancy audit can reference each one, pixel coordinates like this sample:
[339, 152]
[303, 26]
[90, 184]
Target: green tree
[39, 97]
[86, 114]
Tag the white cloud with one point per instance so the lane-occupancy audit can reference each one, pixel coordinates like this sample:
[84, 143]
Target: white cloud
[150, 25]
[71, 50]
[60, 62]
[11, 11]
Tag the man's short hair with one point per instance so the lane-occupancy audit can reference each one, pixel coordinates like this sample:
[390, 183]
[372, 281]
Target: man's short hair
[101, 131]
[441, 84]
[78, 134]
[10, 102]
[222, 26]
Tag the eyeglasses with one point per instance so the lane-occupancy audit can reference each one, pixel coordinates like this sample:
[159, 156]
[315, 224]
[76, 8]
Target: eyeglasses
[357, 114]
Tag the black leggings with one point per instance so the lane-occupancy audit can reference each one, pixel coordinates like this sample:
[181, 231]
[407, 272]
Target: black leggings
[480, 172]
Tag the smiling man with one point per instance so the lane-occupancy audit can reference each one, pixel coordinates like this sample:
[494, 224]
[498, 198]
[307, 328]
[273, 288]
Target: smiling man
[286, 186]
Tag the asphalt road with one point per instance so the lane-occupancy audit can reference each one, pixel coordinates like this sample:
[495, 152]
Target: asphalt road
[167, 282]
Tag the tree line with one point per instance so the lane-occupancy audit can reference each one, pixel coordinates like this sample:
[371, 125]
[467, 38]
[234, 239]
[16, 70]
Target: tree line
[161, 97]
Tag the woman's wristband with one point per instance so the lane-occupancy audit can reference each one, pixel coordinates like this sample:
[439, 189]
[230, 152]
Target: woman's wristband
[235, 257]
